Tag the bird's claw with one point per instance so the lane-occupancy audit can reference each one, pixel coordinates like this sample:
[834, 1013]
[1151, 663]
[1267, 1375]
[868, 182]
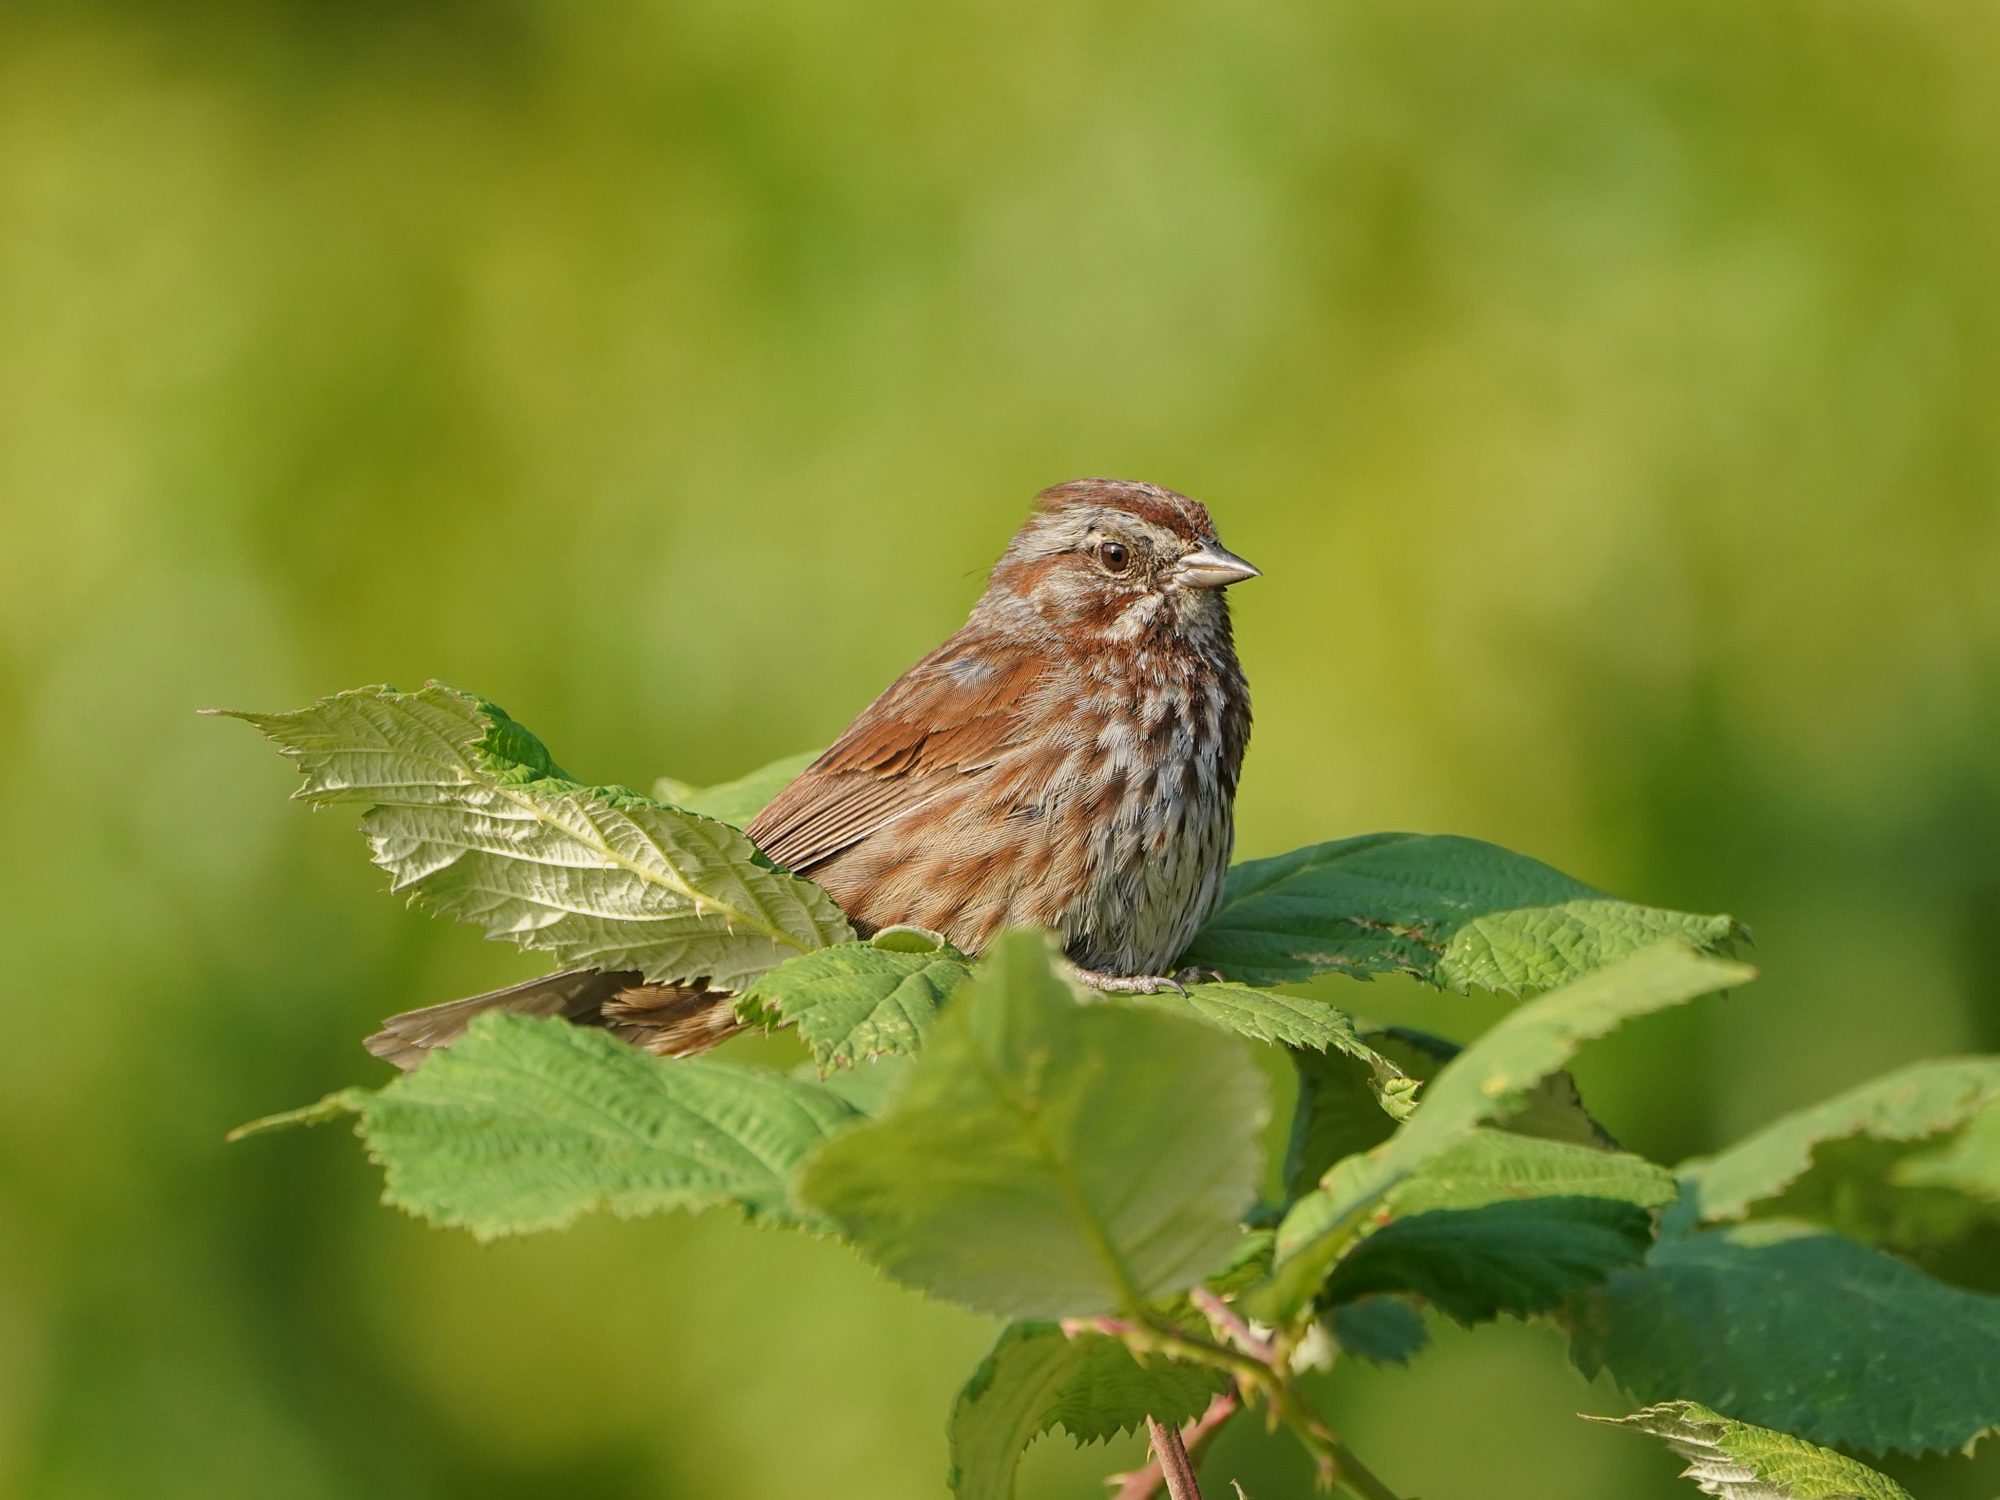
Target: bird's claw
[1132, 984]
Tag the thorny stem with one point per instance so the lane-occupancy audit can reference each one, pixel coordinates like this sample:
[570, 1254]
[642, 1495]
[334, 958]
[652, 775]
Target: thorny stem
[1223, 1316]
[1146, 1483]
[1264, 1374]
[1172, 1457]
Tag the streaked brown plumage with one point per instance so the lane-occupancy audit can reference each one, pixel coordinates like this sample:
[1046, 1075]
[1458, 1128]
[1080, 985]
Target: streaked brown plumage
[1068, 760]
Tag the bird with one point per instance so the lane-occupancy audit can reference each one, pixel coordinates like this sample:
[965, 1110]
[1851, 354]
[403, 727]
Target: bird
[1068, 759]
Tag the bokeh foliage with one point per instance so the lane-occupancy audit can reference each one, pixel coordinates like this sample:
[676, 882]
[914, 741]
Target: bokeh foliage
[1607, 390]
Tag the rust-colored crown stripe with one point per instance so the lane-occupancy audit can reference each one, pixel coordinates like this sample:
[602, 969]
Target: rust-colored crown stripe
[1148, 502]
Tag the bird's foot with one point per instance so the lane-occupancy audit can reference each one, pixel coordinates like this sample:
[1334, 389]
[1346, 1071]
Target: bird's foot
[1141, 984]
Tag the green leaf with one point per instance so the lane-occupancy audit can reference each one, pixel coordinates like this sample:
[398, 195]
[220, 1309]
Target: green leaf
[1968, 1163]
[1740, 1462]
[1264, 1016]
[1501, 1223]
[1455, 912]
[859, 1000]
[868, 1086]
[1381, 1330]
[1497, 1075]
[1248, 1264]
[1346, 1106]
[470, 816]
[1553, 1109]
[1490, 1080]
[1490, 1166]
[1339, 1113]
[334, 1106]
[1047, 1158]
[735, 802]
[525, 1125]
[1803, 1331]
[1473, 1264]
[1911, 1104]
[1038, 1379]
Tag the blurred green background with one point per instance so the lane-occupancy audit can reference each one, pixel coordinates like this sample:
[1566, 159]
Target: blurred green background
[1608, 389]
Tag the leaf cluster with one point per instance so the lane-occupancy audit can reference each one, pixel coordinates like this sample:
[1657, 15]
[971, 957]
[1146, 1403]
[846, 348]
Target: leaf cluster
[1091, 1169]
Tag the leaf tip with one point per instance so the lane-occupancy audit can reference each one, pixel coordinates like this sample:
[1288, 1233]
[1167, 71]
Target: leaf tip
[340, 1102]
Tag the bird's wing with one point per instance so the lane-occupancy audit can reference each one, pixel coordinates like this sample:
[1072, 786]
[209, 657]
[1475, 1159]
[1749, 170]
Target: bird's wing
[949, 717]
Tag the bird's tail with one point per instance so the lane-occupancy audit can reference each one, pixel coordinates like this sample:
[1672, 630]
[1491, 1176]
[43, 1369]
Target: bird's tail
[670, 1020]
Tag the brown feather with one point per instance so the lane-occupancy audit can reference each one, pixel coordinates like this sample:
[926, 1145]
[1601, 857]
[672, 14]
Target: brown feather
[937, 725]
[670, 1020]
[574, 995]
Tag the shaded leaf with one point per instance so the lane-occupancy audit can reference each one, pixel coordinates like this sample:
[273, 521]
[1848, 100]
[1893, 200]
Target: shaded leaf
[859, 1000]
[1474, 1264]
[1248, 1265]
[1047, 1158]
[1803, 1331]
[1740, 1462]
[1339, 1113]
[1500, 1223]
[525, 1125]
[1381, 1330]
[1456, 912]
[470, 816]
[1038, 1379]
[1490, 1080]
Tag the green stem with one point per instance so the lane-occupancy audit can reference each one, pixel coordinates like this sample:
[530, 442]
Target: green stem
[1277, 1385]
[1350, 1472]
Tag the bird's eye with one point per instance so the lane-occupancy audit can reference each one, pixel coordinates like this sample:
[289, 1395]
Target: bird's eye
[1116, 557]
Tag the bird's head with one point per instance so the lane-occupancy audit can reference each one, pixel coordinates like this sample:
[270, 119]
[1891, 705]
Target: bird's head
[1119, 558]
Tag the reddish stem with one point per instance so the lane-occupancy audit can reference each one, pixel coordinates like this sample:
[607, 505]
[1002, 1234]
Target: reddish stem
[1146, 1483]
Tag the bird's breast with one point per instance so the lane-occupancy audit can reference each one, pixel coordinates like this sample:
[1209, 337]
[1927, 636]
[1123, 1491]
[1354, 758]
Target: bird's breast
[1155, 793]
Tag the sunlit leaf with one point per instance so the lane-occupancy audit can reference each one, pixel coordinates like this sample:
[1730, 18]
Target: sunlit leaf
[1736, 1461]
[859, 1000]
[1915, 1103]
[1347, 1105]
[470, 816]
[1266, 1016]
[1552, 1109]
[1047, 1158]
[525, 1125]
[1968, 1163]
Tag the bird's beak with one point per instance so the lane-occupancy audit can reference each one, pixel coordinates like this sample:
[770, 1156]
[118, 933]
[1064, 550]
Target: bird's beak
[1214, 566]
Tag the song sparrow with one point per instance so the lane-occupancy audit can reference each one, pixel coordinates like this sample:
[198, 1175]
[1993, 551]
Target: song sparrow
[1067, 760]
